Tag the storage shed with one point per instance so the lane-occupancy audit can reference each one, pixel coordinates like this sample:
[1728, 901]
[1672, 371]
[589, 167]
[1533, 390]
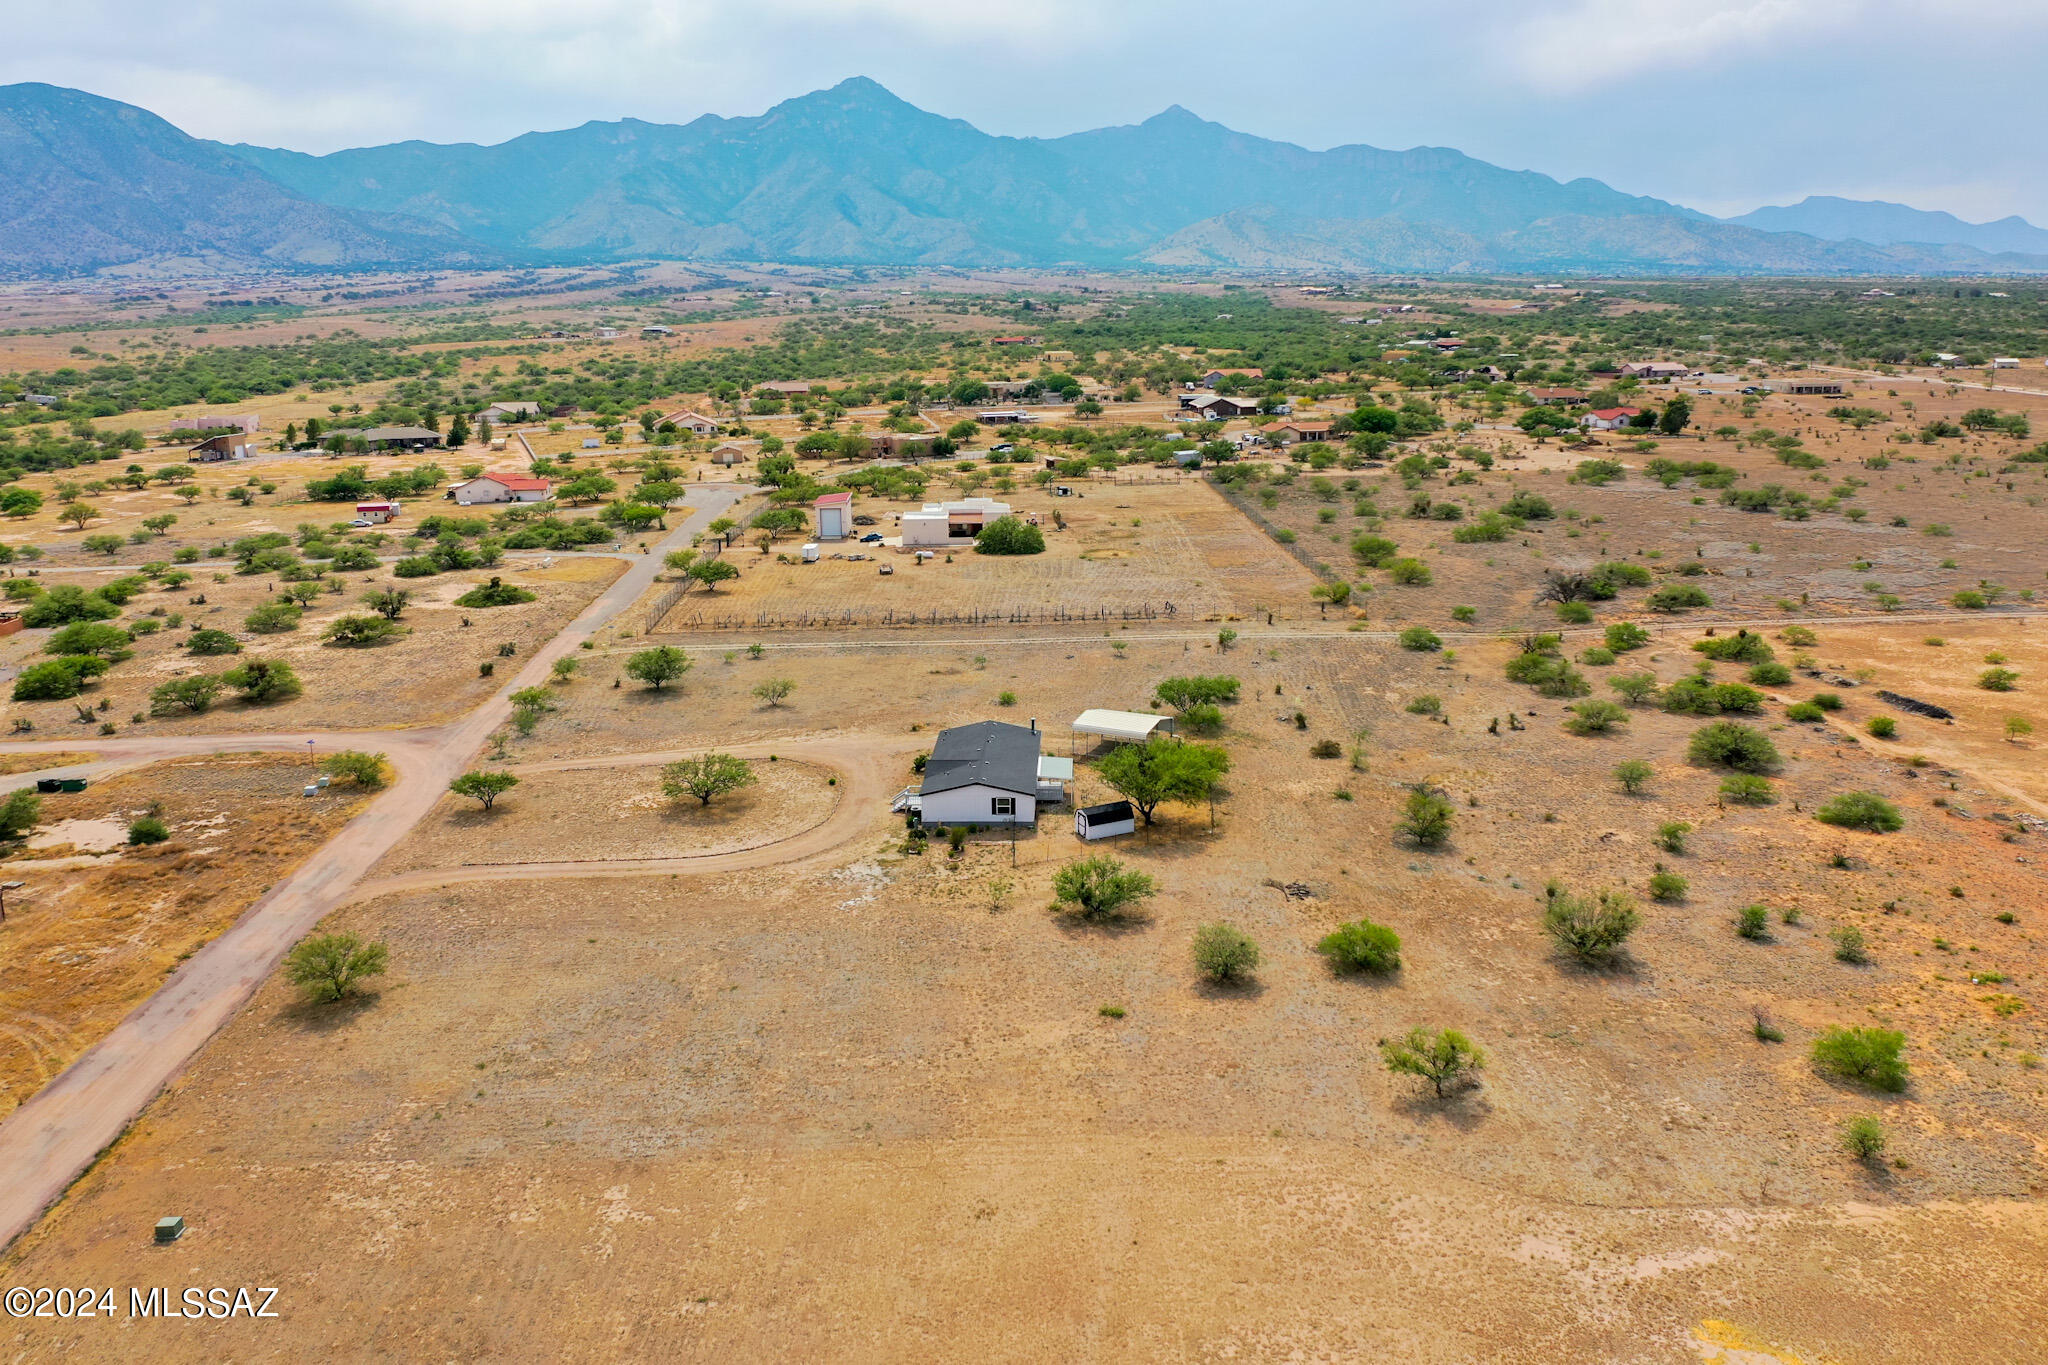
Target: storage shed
[1104, 822]
[835, 515]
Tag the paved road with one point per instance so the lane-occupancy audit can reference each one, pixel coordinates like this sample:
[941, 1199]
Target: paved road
[53, 1137]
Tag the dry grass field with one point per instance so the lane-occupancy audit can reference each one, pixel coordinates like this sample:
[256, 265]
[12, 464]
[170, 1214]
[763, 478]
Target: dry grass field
[99, 925]
[851, 1108]
[424, 677]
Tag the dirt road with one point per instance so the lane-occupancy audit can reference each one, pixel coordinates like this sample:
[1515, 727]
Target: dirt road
[55, 1135]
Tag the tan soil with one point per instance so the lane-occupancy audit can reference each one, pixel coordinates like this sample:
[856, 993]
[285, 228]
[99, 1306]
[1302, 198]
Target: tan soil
[84, 942]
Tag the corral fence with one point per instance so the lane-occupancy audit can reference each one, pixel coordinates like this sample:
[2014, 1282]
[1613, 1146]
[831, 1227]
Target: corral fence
[1258, 518]
[894, 616]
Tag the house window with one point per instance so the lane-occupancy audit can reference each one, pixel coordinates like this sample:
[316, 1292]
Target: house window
[1002, 805]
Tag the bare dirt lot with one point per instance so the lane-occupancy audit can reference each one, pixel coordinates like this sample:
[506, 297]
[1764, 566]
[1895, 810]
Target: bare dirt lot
[90, 936]
[848, 1108]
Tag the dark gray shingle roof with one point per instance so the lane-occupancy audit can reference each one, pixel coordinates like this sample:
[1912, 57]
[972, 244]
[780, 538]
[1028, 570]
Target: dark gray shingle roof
[988, 753]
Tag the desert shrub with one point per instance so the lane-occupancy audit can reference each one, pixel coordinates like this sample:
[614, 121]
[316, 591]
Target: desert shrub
[1596, 717]
[1326, 748]
[262, 681]
[356, 768]
[1410, 572]
[1863, 1137]
[352, 631]
[496, 593]
[91, 637]
[1881, 727]
[1008, 535]
[1574, 613]
[1747, 789]
[1827, 701]
[1374, 552]
[1676, 597]
[147, 829]
[1727, 744]
[1205, 719]
[1184, 694]
[1636, 689]
[1624, 636]
[1694, 695]
[1804, 713]
[1590, 928]
[1445, 1059]
[1861, 810]
[1420, 639]
[658, 666]
[1849, 945]
[1753, 922]
[1998, 680]
[187, 696]
[19, 812]
[1553, 677]
[1633, 774]
[1224, 952]
[1427, 818]
[1668, 886]
[1362, 947]
[1799, 637]
[1770, 675]
[65, 603]
[56, 679]
[273, 618]
[1100, 887]
[415, 566]
[329, 967]
[1528, 506]
[1739, 648]
[211, 641]
[1969, 599]
[1428, 704]
[1671, 835]
[1869, 1055]
[1596, 656]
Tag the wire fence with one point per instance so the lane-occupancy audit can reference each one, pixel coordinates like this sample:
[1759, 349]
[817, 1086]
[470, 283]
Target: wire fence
[877, 617]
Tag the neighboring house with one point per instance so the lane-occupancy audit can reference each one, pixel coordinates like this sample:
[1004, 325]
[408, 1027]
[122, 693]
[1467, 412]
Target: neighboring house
[41, 400]
[1447, 343]
[607, 333]
[785, 387]
[835, 515]
[233, 445]
[2004, 362]
[949, 523]
[1608, 419]
[914, 445]
[400, 438]
[1288, 433]
[695, 423]
[1655, 370]
[218, 421]
[500, 413]
[1821, 387]
[981, 774]
[657, 331]
[1942, 360]
[1215, 377]
[1002, 417]
[1221, 405]
[1556, 398]
[501, 488]
[1186, 459]
[1013, 341]
[378, 512]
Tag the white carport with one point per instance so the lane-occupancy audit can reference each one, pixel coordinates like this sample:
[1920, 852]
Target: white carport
[1124, 727]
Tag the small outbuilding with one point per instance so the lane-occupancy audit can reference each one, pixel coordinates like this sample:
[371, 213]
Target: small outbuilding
[1125, 727]
[1105, 821]
[232, 445]
[401, 438]
[835, 515]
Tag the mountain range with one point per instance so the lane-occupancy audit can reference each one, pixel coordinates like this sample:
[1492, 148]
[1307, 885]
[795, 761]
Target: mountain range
[854, 175]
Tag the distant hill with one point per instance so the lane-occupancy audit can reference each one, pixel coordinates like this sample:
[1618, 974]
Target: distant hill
[88, 183]
[1882, 224]
[850, 175]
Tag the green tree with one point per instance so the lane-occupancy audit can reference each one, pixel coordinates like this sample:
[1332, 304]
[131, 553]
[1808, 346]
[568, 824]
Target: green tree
[1871, 1056]
[184, 695]
[57, 679]
[19, 812]
[1861, 810]
[1161, 770]
[1100, 887]
[273, 618]
[1446, 1058]
[263, 681]
[1727, 744]
[1009, 535]
[389, 603]
[64, 604]
[706, 776]
[712, 572]
[330, 967]
[1633, 775]
[658, 666]
[1426, 819]
[1362, 947]
[1595, 717]
[1864, 1138]
[356, 768]
[210, 641]
[77, 513]
[20, 502]
[90, 637]
[484, 786]
[1677, 415]
[353, 631]
[1224, 953]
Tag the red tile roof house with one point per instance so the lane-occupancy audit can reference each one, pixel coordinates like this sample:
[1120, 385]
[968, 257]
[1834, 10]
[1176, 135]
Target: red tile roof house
[501, 488]
[1608, 419]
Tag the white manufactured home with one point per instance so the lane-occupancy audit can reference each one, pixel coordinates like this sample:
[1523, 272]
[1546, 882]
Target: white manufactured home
[981, 774]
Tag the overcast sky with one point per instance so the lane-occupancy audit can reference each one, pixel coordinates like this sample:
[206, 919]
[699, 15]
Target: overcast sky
[1719, 104]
